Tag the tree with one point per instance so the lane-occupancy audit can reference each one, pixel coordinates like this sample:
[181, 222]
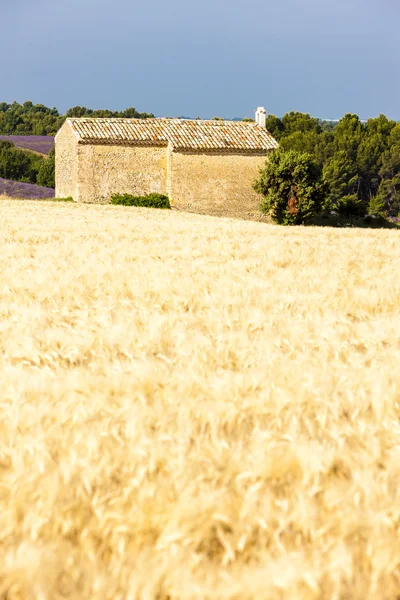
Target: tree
[18, 165]
[377, 205]
[348, 135]
[351, 206]
[387, 200]
[275, 126]
[369, 155]
[301, 141]
[29, 119]
[292, 186]
[78, 111]
[341, 179]
[37, 119]
[46, 173]
[298, 121]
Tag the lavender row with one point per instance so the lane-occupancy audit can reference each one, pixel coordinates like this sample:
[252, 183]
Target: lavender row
[16, 189]
[37, 143]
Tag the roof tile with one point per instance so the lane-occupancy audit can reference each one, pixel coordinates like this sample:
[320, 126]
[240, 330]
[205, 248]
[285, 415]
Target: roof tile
[182, 134]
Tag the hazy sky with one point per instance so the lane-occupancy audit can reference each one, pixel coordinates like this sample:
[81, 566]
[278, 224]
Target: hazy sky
[209, 58]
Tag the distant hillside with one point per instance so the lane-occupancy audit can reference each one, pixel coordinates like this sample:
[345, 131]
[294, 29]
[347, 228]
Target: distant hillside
[36, 143]
[17, 189]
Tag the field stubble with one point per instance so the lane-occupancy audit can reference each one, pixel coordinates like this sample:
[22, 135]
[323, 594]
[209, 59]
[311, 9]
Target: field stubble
[196, 408]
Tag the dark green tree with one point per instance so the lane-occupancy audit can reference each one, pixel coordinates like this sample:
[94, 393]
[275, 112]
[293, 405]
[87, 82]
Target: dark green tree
[78, 112]
[351, 206]
[292, 186]
[298, 121]
[301, 141]
[46, 173]
[387, 199]
[348, 135]
[18, 165]
[341, 180]
[28, 119]
[275, 126]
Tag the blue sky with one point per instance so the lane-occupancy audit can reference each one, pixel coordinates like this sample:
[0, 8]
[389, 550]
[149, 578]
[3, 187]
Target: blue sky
[209, 58]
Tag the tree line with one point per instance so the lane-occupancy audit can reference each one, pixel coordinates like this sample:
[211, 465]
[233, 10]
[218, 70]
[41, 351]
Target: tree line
[350, 167]
[36, 119]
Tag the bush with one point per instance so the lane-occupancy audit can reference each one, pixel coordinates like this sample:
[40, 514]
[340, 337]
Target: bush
[350, 206]
[46, 173]
[149, 201]
[291, 184]
[17, 164]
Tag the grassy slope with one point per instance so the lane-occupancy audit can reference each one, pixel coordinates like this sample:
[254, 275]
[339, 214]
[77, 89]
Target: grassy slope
[196, 407]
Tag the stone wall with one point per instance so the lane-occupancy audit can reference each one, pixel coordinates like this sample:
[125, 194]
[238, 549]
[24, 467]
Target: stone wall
[106, 170]
[214, 183]
[209, 183]
[66, 148]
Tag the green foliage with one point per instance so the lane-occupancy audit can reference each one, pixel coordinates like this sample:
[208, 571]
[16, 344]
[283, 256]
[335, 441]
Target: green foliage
[340, 178]
[351, 206]
[129, 113]
[292, 186]
[150, 201]
[387, 198]
[297, 121]
[348, 135]
[275, 126]
[377, 206]
[358, 158]
[17, 164]
[29, 119]
[36, 119]
[301, 141]
[68, 199]
[46, 173]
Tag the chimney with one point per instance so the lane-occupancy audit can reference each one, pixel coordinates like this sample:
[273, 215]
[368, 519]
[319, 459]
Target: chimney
[261, 116]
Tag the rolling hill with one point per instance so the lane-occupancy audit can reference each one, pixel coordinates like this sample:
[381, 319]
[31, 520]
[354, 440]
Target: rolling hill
[36, 143]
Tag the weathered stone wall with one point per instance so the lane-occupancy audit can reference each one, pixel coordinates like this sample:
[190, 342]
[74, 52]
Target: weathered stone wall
[209, 183]
[66, 148]
[218, 184]
[106, 170]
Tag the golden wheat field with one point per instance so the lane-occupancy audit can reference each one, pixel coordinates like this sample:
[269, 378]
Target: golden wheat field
[196, 408]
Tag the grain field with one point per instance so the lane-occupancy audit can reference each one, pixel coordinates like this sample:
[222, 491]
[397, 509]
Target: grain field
[196, 408]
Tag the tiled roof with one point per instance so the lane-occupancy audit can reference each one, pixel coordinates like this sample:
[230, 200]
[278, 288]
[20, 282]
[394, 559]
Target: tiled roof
[182, 134]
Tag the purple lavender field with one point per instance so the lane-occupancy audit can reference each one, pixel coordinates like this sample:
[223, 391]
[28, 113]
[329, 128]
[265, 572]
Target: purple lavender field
[16, 189]
[37, 143]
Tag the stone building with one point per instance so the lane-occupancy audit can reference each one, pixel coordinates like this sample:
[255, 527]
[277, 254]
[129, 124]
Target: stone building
[203, 166]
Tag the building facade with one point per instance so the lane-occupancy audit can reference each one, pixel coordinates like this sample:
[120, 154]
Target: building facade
[203, 166]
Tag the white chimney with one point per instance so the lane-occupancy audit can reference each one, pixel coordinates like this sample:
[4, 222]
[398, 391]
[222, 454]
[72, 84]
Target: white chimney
[261, 116]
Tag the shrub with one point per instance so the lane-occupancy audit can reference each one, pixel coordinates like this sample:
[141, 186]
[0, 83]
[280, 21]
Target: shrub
[46, 176]
[149, 201]
[17, 164]
[291, 184]
[350, 206]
